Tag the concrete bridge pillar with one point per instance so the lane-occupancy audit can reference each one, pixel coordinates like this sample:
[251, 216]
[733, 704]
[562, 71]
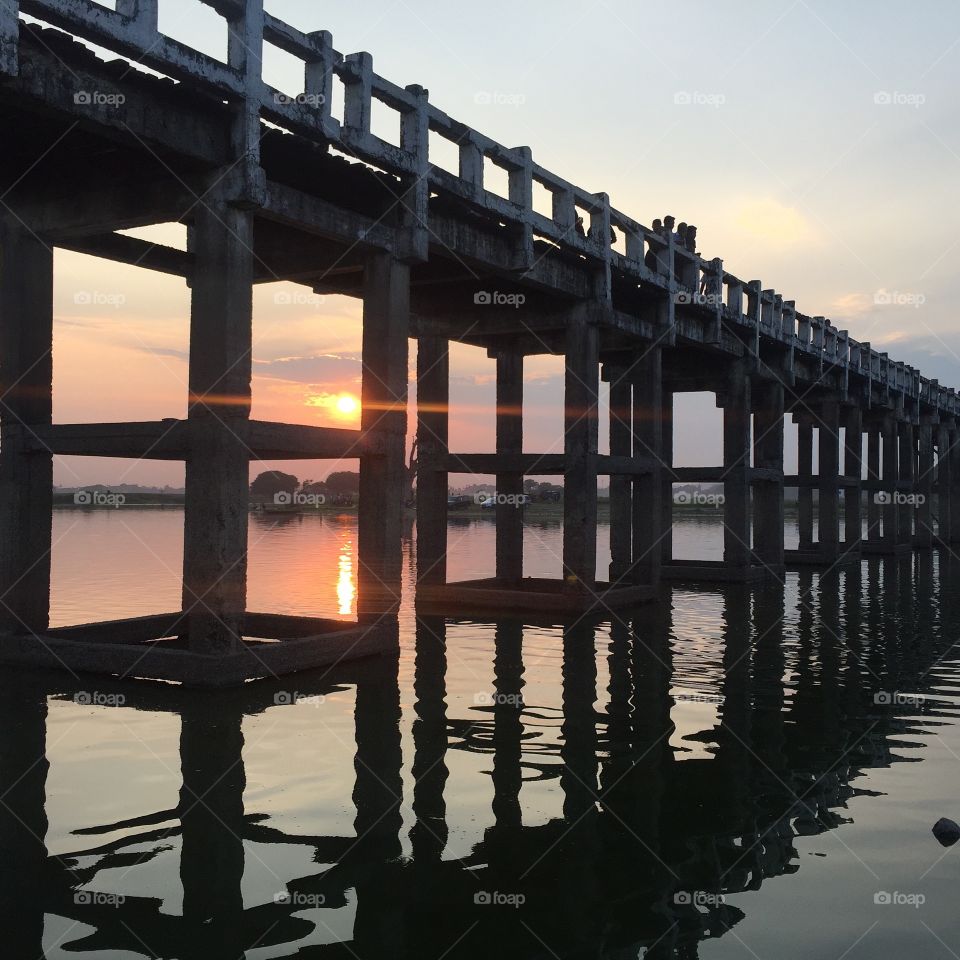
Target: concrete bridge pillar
[26, 401]
[953, 489]
[736, 468]
[805, 479]
[666, 475]
[853, 473]
[908, 473]
[924, 485]
[891, 477]
[829, 476]
[652, 432]
[621, 445]
[944, 504]
[509, 516]
[433, 427]
[386, 322]
[768, 493]
[581, 426]
[873, 475]
[217, 468]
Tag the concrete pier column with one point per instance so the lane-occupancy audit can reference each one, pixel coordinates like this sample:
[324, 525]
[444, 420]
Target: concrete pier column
[580, 449]
[736, 469]
[26, 401]
[805, 476]
[908, 472]
[953, 456]
[768, 493]
[890, 478]
[829, 475]
[873, 474]
[666, 473]
[853, 472]
[386, 322]
[923, 485]
[621, 445]
[650, 429]
[433, 426]
[218, 468]
[509, 513]
[944, 506]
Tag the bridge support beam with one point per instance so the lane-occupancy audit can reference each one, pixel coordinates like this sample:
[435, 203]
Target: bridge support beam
[217, 470]
[908, 473]
[580, 450]
[736, 467]
[509, 513]
[666, 484]
[433, 427]
[805, 476]
[828, 429]
[890, 481]
[768, 493]
[924, 486]
[26, 402]
[953, 486]
[853, 472]
[386, 324]
[652, 425]
[873, 475]
[944, 504]
[621, 445]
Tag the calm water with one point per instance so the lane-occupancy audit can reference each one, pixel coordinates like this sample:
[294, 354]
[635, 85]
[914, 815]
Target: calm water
[712, 777]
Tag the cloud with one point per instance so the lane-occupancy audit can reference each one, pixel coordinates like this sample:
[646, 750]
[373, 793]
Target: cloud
[327, 369]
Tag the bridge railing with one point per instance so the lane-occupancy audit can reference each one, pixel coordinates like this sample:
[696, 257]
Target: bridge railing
[131, 30]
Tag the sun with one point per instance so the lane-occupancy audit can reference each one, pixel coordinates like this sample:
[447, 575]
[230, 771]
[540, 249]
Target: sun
[347, 404]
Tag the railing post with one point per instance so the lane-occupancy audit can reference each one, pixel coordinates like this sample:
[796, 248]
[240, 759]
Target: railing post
[358, 94]
[471, 168]
[245, 55]
[9, 37]
[318, 73]
[415, 141]
[520, 189]
[144, 15]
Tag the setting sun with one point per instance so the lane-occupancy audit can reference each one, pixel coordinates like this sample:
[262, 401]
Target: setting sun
[347, 404]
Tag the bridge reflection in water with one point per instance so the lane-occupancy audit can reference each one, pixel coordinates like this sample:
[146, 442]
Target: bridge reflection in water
[640, 828]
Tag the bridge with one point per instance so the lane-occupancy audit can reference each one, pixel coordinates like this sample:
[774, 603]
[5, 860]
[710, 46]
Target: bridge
[275, 185]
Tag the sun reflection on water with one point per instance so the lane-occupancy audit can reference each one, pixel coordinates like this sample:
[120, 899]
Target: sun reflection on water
[346, 590]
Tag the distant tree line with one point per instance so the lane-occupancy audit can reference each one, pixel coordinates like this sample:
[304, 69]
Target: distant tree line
[340, 486]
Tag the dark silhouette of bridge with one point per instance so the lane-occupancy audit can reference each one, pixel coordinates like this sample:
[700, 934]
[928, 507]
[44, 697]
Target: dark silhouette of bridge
[648, 850]
[273, 185]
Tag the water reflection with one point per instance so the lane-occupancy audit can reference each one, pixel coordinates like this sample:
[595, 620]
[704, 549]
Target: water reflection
[650, 847]
[346, 588]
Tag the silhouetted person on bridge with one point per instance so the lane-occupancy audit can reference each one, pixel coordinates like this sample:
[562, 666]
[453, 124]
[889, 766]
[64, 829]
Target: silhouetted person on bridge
[690, 238]
[579, 227]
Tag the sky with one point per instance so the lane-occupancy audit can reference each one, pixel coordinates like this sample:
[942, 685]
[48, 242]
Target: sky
[816, 146]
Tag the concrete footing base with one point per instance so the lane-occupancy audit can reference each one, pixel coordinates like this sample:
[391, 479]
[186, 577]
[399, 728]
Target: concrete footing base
[715, 571]
[123, 648]
[883, 548]
[529, 595]
[818, 558]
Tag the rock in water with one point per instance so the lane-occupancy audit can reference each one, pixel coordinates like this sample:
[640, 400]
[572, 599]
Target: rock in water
[946, 831]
